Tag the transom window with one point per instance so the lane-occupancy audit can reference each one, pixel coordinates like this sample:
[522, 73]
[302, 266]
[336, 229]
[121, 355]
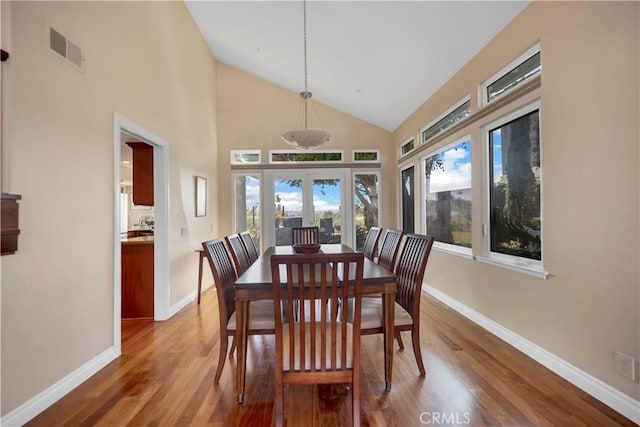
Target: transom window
[289, 156]
[366, 156]
[241, 157]
[407, 147]
[453, 115]
[523, 67]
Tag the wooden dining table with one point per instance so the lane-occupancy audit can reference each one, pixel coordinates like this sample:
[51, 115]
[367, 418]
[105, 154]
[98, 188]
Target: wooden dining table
[255, 284]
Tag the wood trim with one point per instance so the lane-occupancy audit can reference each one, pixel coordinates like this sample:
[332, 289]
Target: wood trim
[516, 93]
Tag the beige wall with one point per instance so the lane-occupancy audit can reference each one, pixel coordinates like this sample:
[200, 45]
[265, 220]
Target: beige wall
[589, 306]
[147, 62]
[253, 114]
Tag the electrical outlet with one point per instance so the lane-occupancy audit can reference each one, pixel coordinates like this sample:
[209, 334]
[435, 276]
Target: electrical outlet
[625, 366]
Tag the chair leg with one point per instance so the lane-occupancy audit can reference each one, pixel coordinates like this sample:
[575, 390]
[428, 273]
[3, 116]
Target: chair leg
[355, 403]
[224, 342]
[279, 405]
[233, 346]
[415, 338]
[399, 339]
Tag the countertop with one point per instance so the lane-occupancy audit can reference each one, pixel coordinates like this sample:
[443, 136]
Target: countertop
[142, 240]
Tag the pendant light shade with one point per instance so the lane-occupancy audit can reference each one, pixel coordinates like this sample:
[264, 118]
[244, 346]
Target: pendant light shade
[305, 139]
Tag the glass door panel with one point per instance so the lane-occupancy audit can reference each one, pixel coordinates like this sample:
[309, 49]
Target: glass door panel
[327, 209]
[305, 198]
[288, 205]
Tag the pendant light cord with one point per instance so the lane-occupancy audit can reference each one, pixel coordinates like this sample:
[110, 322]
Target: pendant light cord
[306, 92]
[304, 8]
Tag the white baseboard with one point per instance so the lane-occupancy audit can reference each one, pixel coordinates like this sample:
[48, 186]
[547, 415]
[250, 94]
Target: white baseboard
[181, 304]
[608, 395]
[42, 401]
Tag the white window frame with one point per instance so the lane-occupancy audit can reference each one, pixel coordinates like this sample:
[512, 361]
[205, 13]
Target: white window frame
[407, 142]
[416, 188]
[272, 152]
[354, 152]
[458, 250]
[450, 110]
[353, 197]
[234, 200]
[523, 265]
[503, 71]
[238, 153]
[307, 175]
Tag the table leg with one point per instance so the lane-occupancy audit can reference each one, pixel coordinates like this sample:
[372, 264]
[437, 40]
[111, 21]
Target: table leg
[242, 309]
[201, 253]
[388, 308]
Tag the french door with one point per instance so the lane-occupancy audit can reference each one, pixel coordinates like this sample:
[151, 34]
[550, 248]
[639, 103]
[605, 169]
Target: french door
[311, 197]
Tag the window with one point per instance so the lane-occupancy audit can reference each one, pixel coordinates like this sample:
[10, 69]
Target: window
[366, 156]
[246, 205]
[241, 157]
[455, 114]
[514, 171]
[408, 197]
[407, 147]
[447, 176]
[289, 156]
[365, 199]
[523, 67]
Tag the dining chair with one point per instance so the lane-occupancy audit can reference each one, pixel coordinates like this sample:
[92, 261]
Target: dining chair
[261, 320]
[250, 246]
[412, 261]
[305, 235]
[371, 243]
[389, 248]
[323, 348]
[238, 253]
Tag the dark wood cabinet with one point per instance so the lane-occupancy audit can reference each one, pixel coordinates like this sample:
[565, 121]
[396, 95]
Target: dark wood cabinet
[9, 219]
[137, 279]
[142, 173]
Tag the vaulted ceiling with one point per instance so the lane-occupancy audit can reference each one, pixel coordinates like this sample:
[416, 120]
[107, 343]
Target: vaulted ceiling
[375, 60]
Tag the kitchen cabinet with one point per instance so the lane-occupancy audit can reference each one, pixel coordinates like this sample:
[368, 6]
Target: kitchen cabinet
[137, 278]
[142, 173]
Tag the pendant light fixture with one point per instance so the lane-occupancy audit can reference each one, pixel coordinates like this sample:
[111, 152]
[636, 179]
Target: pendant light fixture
[305, 139]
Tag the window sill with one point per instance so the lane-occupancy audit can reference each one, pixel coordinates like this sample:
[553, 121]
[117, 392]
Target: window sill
[453, 250]
[529, 270]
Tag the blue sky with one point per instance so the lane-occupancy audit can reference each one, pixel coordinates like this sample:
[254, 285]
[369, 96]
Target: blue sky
[291, 197]
[497, 155]
[455, 173]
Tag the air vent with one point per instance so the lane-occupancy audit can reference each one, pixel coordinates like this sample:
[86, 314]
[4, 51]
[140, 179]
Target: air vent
[65, 48]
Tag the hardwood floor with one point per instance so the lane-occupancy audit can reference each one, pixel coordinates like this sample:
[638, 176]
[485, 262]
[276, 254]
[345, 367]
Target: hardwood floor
[165, 378]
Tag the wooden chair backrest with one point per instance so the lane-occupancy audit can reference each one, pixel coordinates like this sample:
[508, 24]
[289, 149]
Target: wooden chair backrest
[322, 286]
[250, 246]
[224, 276]
[238, 253]
[389, 248]
[412, 261]
[371, 242]
[305, 235]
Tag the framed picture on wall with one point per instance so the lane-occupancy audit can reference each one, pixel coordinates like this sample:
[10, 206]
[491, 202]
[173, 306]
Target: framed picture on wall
[201, 196]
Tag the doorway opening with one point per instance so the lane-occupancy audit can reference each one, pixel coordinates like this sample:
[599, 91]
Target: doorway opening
[124, 130]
